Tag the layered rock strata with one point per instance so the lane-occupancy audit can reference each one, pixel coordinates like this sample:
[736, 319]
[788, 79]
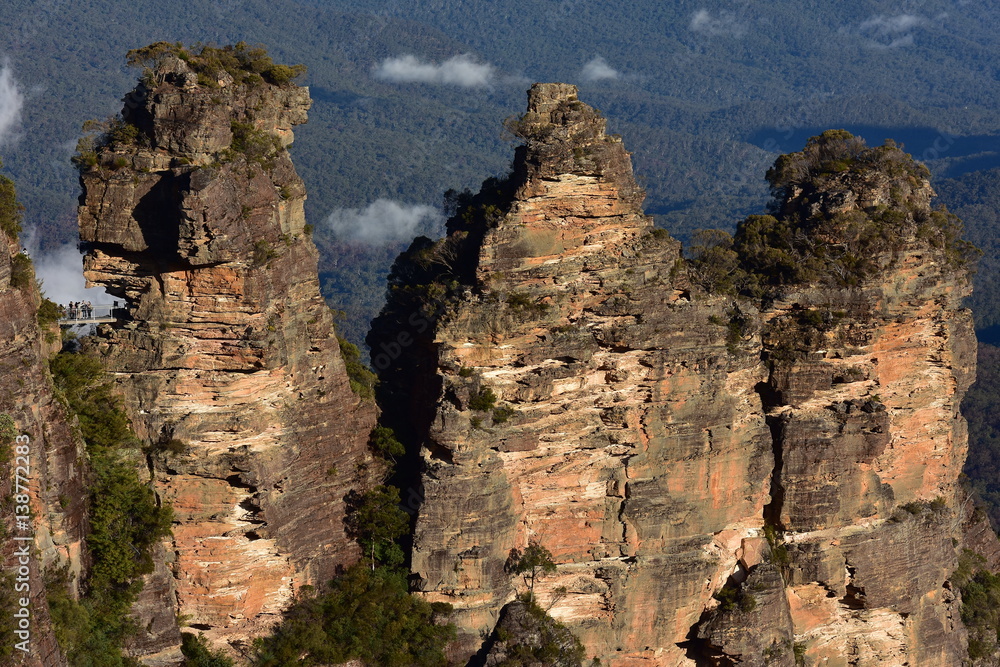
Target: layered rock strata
[53, 469]
[568, 381]
[225, 351]
[624, 437]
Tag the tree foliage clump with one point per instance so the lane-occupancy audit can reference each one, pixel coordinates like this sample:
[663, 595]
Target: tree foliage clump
[526, 636]
[198, 654]
[375, 519]
[257, 146]
[104, 143]
[364, 615]
[980, 604]
[361, 378]
[22, 273]
[247, 65]
[815, 233]
[533, 563]
[10, 209]
[125, 520]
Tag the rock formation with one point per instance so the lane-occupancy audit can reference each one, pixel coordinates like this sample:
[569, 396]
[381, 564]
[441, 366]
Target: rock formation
[192, 215]
[723, 475]
[55, 472]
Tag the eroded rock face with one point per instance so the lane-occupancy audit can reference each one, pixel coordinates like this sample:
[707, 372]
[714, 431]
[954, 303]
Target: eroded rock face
[55, 461]
[625, 436]
[568, 382]
[227, 357]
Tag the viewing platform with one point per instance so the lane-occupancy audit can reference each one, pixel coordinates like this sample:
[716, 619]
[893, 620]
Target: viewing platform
[100, 313]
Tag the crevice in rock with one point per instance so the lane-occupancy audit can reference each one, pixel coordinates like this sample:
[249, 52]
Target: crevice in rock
[854, 598]
[700, 649]
[772, 511]
[237, 482]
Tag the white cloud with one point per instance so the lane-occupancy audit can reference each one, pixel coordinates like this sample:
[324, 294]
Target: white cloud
[11, 102]
[598, 70]
[890, 25]
[61, 273]
[891, 31]
[725, 24]
[382, 221]
[457, 71]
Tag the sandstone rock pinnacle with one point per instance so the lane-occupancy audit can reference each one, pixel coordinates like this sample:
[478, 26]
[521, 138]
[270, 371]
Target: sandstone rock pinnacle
[722, 475]
[192, 215]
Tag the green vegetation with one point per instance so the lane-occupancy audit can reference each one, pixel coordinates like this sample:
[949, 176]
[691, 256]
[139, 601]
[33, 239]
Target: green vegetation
[383, 440]
[980, 604]
[257, 146]
[362, 379]
[532, 564]
[10, 209]
[483, 400]
[365, 615]
[49, 312]
[714, 264]
[532, 637]
[198, 654]
[376, 521]
[115, 134]
[8, 430]
[779, 551]
[22, 273]
[502, 414]
[250, 66]
[263, 252]
[125, 521]
[804, 243]
[732, 597]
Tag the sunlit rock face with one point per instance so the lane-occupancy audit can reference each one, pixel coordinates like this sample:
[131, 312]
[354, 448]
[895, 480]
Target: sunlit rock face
[228, 359]
[563, 378]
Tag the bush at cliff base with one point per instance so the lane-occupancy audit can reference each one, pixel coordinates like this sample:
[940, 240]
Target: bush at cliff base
[363, 615]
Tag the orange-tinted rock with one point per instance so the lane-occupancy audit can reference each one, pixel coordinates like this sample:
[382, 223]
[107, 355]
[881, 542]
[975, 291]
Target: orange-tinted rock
[628, 424]
[566, 382]
[228, 351]
[52, 467]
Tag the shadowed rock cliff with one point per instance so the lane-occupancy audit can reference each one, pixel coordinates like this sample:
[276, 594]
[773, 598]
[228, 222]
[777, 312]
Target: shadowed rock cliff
[54, 464]
[192, 214]
[744, 474]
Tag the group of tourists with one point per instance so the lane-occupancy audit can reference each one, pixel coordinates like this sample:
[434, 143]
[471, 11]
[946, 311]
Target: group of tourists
[80, 310]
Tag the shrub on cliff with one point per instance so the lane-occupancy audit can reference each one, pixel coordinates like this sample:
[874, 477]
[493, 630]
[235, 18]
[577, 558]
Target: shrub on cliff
[198, 654]
[980, 604]
[527, 635]
[362, 379]
[21, 272]
[363, 615]
[257, 146]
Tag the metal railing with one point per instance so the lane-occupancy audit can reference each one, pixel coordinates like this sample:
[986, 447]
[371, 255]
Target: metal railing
[95, 314]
